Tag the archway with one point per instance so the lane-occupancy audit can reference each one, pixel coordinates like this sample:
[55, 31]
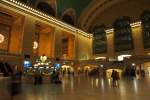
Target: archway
[46, 8]
[69, 16]
[68, 19]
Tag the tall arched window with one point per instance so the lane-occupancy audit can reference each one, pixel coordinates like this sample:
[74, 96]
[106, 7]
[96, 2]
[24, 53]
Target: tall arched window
[122, 34]
[99, 39]
[145, 18]
[68, 19]
[46, 8]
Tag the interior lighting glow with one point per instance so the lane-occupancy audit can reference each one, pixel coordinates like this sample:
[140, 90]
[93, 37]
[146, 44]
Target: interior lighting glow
[36, 65]
[136, 24]
[28, 9]
[102, 83]
[100, 58]
[43, 58]
[148, 54]
[2, 38]
[97, 82]
[133, 64]
[102, 66]
[109, 30]
[35, 45]
[121, 57]
[46, 63]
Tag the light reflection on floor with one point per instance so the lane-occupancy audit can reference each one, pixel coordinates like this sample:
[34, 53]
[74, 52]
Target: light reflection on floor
[82, 88]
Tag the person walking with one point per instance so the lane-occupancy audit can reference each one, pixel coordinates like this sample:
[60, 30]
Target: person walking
[114, 78]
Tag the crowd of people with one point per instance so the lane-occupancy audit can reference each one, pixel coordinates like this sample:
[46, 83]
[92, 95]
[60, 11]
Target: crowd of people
[55, 78]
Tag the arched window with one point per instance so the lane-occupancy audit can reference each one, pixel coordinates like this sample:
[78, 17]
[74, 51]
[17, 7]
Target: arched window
[99, 39]
[46, 8]
[145, 18]
[68, 19]
[122, 34]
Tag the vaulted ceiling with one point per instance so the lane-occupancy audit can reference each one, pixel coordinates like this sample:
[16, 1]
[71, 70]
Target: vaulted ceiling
[107, 11]
[78, 5]
[85, 14]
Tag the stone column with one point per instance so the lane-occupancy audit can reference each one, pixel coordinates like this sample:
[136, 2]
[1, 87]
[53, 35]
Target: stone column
[46, 44]
[138, 41]
[71, 47]
[57, 43]
[110, 45]
[28, 38]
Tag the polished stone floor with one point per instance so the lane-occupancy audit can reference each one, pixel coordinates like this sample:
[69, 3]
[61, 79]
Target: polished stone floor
[81, 88]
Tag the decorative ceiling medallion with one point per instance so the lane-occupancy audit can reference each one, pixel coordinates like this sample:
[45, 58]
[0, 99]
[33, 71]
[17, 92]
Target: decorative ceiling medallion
[2, 38]
[35, 45]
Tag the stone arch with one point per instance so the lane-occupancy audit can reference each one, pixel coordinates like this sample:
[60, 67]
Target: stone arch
[96, 26]
[69, 16]
[46, 8]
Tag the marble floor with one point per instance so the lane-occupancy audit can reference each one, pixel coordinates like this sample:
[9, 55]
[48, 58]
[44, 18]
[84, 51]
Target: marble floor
[80, 88]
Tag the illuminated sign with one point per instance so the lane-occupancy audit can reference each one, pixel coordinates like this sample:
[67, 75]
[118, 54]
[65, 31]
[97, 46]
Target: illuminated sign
[57, 66]
[27, 64]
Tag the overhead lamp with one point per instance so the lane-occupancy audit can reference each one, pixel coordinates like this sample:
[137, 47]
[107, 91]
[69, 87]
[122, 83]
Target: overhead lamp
[148, 54]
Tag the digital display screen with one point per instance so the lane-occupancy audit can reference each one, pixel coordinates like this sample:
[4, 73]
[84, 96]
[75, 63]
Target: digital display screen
[27, 64]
